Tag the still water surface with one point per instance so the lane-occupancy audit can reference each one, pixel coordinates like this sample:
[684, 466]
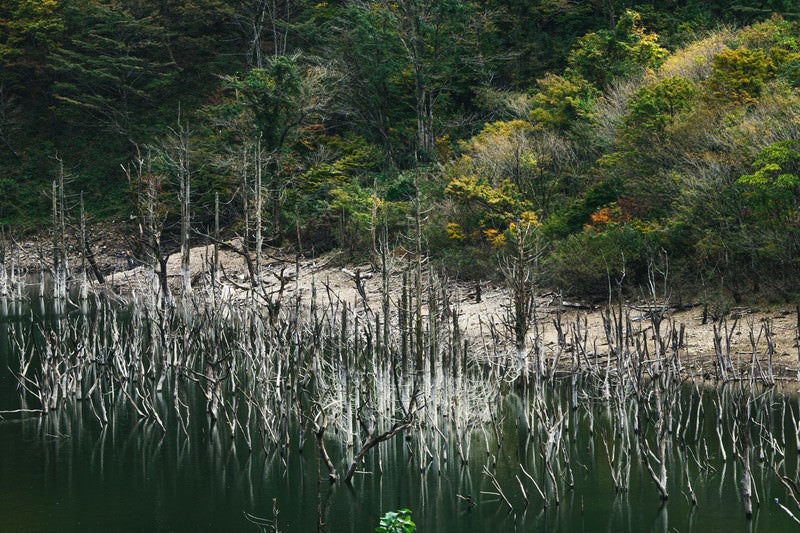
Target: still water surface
[65, 473]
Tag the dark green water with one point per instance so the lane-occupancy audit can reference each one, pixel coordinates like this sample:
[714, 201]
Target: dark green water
[64, 473]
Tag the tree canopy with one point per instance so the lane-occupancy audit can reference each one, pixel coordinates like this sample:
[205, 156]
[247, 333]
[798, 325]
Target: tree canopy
[624, 134]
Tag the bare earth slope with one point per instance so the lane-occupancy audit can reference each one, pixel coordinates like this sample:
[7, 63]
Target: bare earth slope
[481, 319]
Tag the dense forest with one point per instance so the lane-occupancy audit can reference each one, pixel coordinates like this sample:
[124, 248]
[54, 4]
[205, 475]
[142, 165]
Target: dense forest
[612, 143]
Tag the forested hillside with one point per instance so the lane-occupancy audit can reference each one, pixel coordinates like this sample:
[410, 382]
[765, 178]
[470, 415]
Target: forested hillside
[608, 143]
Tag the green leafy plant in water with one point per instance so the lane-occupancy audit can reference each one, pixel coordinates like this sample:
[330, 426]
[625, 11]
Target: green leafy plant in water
[396, 522]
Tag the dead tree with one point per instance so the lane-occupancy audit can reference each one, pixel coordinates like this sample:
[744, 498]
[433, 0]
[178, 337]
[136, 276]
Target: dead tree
[60, 263]
[519, 270]
[150, 214]
[372, 440]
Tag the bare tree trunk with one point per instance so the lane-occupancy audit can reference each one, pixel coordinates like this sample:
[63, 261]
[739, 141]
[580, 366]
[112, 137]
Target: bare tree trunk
[265, 24]
[797, 339]
[60, 265]
[259, 197]
[744, 454]
[4, 278]
[215, 270]
[276, 193]
[424, 96]
[84, 295]
[184, 176]
[150, 215]
[420, 361]
[519, 271]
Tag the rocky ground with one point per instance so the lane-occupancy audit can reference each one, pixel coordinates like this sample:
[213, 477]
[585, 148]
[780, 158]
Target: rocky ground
[359, 285]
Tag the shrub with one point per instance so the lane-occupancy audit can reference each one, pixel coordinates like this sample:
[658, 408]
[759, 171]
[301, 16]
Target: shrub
[583, 264]
[396, 522]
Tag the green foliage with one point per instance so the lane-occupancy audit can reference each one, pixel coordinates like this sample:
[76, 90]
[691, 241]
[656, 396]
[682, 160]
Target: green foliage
[334, 203]
[739, 75]
[561, 101]
[781, 42]
[355, 204]
[508, 168]
[29, 31]
[27, 176]
[789, 69]
[574, 216]
[401, 189]
[377, 98]
[540, 33]
[655, 106]
[642, 156]
[396, 522]
[411, 50]
[353, 114]
[272, 95]
[199, 38]
[107, 72]
[773, 34]
[29, 28]
[484, 211]
[605, 55]
[586, 263]
[773, 190]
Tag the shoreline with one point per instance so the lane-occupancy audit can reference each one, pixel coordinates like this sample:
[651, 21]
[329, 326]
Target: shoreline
[482, 318]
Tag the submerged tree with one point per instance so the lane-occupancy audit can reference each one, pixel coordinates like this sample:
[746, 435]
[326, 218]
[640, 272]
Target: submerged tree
[520, 267]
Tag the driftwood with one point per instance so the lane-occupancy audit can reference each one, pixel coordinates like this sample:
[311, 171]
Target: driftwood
[578, 305]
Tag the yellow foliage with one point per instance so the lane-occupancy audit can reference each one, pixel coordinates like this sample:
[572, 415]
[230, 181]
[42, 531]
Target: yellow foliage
[442, 147]
[529, 217]
[455, 232]
[495, 238]
[525, 221]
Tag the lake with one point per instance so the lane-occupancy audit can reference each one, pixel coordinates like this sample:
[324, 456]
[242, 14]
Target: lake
[68, 471]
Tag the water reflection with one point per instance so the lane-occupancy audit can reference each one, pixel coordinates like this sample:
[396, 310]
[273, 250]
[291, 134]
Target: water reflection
[131, 442]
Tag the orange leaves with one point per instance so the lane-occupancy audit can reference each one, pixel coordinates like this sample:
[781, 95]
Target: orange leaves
[612, 214]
